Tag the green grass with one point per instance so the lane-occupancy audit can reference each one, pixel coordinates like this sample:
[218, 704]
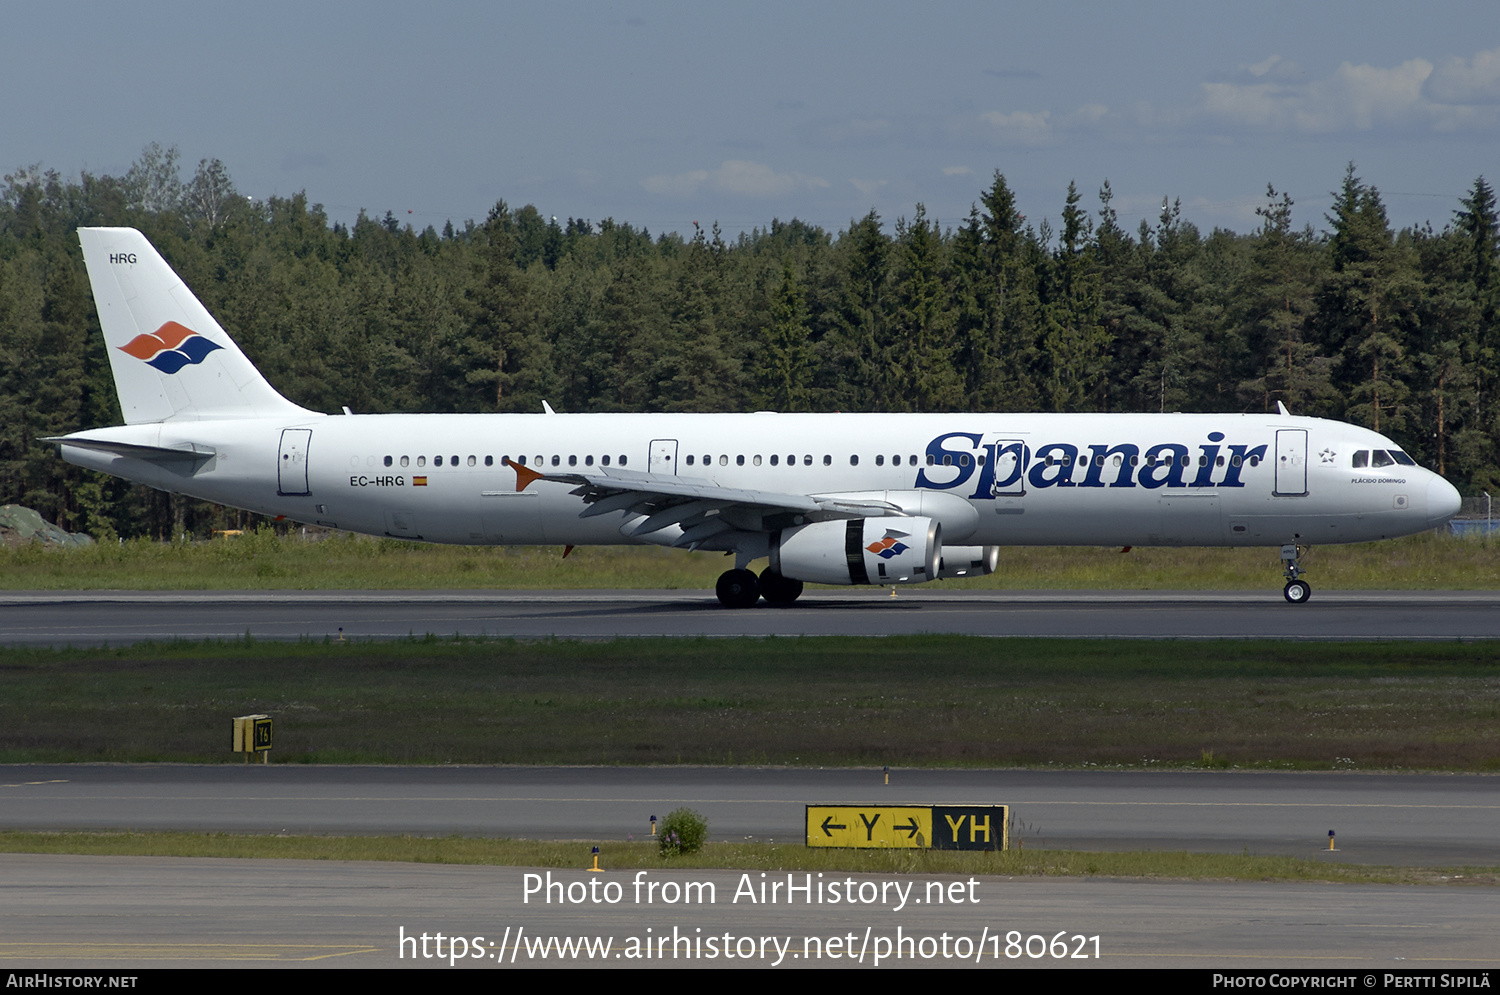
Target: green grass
[266, 561]
[624, 856]
[902, 701]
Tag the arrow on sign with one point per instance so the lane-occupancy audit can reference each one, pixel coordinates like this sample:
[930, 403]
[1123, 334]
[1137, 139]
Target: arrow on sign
[828, 829]
[910, 828]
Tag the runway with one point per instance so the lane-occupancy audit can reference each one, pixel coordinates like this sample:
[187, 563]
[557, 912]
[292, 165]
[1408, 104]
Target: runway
[77, 618]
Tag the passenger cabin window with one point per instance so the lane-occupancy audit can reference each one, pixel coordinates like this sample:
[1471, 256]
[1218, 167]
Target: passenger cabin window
[489, 461]
[775, 459]
[421, 461]
[437, 461]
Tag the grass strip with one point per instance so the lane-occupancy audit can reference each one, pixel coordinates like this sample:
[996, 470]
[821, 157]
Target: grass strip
[802, 701]
[642, 854]
[341, 561]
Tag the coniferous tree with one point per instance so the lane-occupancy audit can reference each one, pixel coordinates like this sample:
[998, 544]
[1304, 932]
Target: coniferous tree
[919, 347]
[1073, 344]
[1278, 297]
[1362, 306]
[786, 357]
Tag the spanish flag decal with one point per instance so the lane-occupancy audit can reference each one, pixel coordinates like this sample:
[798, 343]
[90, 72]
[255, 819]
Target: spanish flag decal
[419, 481]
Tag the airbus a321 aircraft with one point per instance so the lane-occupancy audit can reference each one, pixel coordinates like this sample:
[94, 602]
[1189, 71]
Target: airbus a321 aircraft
[826, 498]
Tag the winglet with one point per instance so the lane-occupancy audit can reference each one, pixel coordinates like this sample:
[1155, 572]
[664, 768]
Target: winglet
[524, 475]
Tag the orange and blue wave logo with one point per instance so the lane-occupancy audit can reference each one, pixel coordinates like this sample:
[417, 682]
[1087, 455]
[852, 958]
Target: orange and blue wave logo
[888, 547]
[170, 347]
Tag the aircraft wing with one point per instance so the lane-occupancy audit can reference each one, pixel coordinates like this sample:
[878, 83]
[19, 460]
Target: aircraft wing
[697, 505]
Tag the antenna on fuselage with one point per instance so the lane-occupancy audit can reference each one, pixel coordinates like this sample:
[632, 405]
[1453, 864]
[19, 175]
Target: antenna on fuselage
[547, 409]
[1281, 408]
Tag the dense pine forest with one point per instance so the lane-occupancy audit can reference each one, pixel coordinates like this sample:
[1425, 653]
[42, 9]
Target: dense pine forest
[1331, 312]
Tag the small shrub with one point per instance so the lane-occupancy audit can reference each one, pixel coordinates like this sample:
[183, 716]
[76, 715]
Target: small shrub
[683, 831]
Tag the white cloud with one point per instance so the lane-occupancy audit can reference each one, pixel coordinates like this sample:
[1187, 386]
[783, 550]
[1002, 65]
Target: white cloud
[1356, 97]
[1460, 81]
[1087, 116]
[1261, 68]
[1019, 127]
[734, 176]
[868, 187]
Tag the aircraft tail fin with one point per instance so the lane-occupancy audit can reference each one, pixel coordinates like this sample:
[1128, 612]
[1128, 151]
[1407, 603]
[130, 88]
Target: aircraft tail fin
[170, 358]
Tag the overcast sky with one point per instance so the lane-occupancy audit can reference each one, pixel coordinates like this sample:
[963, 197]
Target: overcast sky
[664, 113]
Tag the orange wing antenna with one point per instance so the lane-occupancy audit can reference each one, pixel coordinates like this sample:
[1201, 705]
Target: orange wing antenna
[524, 475]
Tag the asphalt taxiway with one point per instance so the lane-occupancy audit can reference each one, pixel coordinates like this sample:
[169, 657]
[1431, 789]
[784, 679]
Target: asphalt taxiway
[1412, 819]
[115, 914]
[117, 617]
[119, 913]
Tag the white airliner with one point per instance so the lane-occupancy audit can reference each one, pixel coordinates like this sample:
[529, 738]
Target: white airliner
[826, 498]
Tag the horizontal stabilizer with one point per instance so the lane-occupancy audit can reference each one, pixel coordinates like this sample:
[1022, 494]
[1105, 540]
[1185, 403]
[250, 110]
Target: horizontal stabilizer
[152, 454]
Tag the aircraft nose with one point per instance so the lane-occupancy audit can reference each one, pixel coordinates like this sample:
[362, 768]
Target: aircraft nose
[1442, 501]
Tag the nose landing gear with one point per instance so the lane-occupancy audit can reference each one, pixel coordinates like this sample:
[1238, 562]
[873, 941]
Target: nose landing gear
[1297, 590]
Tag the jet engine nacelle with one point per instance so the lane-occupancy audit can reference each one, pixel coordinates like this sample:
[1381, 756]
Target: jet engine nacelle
[968, 561]
[890, 550]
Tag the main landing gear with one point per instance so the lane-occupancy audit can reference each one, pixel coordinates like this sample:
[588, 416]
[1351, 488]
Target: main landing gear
[742, 589]
[1297, 590]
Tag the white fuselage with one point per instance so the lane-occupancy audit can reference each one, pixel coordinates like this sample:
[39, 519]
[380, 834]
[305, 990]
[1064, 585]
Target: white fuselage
[1004, 479]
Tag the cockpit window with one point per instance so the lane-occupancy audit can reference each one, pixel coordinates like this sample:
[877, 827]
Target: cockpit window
[1381, 458]
[1361, 459]
[1402, 458]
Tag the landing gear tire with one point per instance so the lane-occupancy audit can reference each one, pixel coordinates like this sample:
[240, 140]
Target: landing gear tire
[779, 590]
[738, 589]
[1297, 591]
